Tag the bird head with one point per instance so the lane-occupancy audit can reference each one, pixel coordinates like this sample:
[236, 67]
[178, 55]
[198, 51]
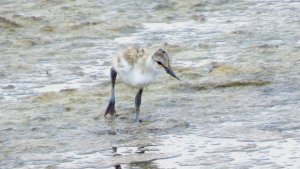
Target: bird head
[162, 58]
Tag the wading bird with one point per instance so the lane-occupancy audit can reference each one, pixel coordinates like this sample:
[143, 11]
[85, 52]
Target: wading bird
[137, 67]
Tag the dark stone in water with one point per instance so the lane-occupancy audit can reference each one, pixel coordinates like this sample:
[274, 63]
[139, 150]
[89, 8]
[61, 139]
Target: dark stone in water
[47, 29]
[67, 90]
[84, 24]
[8, 129]
[35, 18]
[141, 150]
[199, 5]
[161, 7]
[67, 108]
[100, 132]
[2, 74]
[267, 46]
[112, 132]
[6, 23]
[123, 117]
[40, 118]
[27, 42]
[9, 87]
[237, 32]
[96, 118]
[200, 18]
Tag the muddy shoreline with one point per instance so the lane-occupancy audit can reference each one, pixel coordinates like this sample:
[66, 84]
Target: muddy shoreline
[236, 106]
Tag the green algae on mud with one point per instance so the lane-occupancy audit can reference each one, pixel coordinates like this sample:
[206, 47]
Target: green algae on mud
[243, 83]
[210, 85]
[238, 81]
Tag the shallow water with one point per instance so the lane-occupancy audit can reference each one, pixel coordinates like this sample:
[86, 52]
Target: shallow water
[236, 106]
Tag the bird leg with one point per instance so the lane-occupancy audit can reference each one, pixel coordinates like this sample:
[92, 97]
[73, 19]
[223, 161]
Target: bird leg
[111, 105]
[138, 100]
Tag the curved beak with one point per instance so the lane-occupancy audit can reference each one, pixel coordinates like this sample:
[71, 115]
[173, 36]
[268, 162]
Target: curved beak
[170, 72]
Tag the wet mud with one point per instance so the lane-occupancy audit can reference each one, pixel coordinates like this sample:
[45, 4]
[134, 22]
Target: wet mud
[236, 106]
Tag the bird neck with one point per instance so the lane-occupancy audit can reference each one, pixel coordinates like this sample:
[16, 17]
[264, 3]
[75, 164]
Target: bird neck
[152, 66]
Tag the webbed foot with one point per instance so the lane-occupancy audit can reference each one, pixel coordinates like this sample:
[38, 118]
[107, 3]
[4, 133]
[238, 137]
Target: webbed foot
[110, 108]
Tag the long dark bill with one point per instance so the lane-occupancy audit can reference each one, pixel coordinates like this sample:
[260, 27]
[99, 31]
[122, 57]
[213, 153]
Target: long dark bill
[170, 72]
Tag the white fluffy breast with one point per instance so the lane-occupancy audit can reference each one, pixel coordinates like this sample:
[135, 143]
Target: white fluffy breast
[139, 74]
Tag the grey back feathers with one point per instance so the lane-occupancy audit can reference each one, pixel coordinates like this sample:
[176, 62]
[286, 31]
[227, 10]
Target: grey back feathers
[133, 54]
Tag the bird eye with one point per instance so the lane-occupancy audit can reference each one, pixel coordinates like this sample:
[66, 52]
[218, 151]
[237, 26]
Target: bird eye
[158, 62]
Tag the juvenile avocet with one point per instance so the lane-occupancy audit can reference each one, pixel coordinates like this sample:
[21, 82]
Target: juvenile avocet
[137, 67]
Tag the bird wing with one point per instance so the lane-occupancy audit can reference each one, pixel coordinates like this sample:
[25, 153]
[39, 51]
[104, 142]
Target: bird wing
[129, 56]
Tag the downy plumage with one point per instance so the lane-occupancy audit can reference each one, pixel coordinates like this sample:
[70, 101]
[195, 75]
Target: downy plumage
[137, 67]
